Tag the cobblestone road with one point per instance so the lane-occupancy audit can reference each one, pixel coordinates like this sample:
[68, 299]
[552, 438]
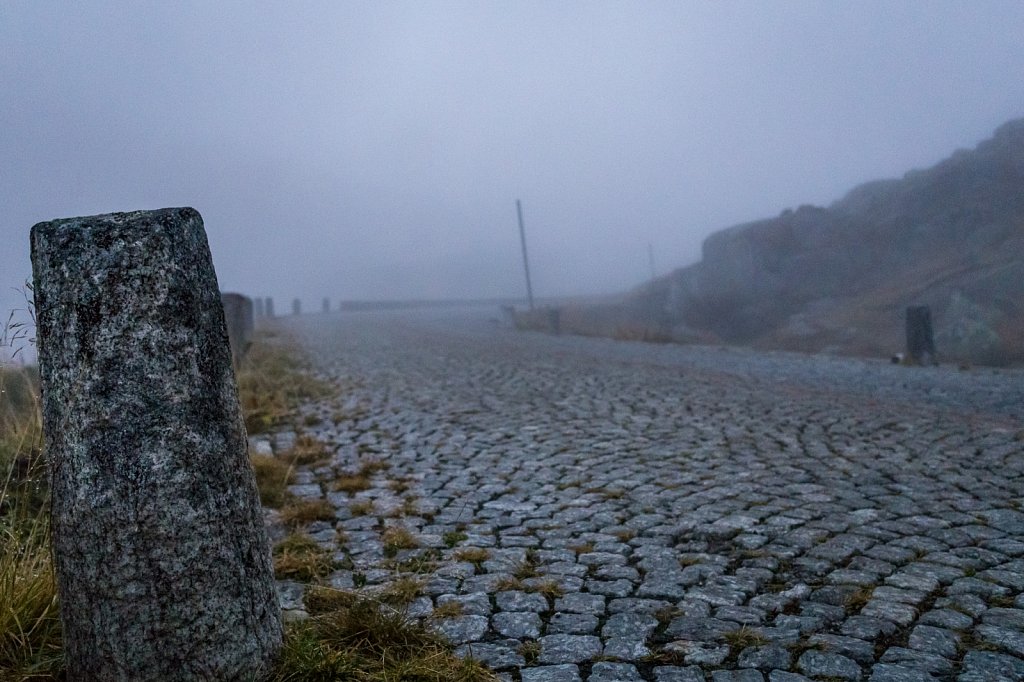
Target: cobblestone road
[584, 509]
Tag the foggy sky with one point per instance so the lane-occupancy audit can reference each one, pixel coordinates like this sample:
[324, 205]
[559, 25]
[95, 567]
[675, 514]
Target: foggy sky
[369, 150]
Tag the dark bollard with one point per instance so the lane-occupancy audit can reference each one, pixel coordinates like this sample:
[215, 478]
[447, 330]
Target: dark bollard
[162, 561]
[268, 307]
[508, 316]
[554, 321]
[326, 307]
[296, 307]
[238, 315]
[257, 307]
[920, 339]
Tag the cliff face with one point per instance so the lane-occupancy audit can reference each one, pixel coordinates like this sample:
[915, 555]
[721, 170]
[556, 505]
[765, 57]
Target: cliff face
[838, 279]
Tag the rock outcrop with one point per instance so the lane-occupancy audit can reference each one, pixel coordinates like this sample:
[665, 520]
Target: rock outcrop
[838, 279]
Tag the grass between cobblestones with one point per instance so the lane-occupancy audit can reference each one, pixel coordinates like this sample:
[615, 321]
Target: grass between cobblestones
[346, 637]
[356, 638]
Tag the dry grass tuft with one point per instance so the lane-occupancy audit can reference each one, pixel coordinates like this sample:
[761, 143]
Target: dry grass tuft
[530, 650]
[273, 380]
[397, 538]
[299, 557]
[367, 641]
[307, 450]
[508, 584]
[474, 555]
[525, 570]
[453, 538]
[449, 609]
[582, 548]
[625, 535]
[402, 591]
[361, 507]
[300, 513]
[548, 588]
[351, 483]
[857, 600]
[272, 478]
[320, 599]
[370, 467]
[744, 637]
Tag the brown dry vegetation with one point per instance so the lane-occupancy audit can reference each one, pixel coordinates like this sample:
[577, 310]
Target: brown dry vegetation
[302, 512]
[355, 638]
[29, 619]
[273, 380]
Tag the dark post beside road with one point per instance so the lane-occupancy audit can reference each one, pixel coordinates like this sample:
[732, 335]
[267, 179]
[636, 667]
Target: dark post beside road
[162, 560]
[296, 307]
[920, 338]
[238, 315]
[268, 307]
[554, 321]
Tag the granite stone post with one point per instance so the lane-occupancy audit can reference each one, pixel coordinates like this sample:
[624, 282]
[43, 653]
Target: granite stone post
[296, 307]
[920, 338]
[268, 307]
[162, 560]
[238, 315]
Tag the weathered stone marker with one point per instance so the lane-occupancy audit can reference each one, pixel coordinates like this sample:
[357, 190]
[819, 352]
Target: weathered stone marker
[162, 560]
[920, 339]
[238, 315]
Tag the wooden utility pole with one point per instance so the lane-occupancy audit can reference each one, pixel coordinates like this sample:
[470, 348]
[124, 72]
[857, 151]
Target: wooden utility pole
[526, 261]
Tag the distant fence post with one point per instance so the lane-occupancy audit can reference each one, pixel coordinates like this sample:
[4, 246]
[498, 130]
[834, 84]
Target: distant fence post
[920, 339]
[554, 321]
[162, 560]
[296, 307]
[238, 315]
[508, 316]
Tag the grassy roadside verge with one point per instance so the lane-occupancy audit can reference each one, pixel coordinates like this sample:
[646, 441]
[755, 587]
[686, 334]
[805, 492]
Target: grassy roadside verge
[347, 636]
[30, 645]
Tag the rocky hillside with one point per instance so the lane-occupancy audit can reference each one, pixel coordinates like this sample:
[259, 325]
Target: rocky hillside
[838, 279]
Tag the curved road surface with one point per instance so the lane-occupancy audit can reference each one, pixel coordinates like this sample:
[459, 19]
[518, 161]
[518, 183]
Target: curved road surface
[603, 510]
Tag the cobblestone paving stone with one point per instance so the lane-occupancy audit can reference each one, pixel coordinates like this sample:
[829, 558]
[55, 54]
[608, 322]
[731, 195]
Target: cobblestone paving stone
[585, 509]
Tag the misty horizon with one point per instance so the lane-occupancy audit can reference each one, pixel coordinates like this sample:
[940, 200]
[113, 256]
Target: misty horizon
[367, 152]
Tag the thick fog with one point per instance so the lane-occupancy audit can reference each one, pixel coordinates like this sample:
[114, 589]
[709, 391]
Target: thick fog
[368, 150]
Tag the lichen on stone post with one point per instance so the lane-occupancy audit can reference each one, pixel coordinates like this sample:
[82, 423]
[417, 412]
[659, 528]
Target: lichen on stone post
[162, 559]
